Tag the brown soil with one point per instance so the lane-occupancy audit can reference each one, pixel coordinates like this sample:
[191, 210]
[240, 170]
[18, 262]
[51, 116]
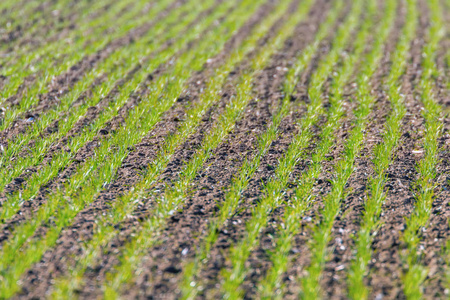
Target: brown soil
[60, 85]
[163, 266]
[83, 154]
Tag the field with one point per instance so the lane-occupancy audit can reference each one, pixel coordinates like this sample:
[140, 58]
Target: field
[208, 149]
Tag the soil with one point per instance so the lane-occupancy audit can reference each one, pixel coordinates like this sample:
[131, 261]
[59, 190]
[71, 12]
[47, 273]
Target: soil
[163, 266]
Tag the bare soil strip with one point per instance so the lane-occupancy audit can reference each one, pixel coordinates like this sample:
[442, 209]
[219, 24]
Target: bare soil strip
[130, 170]
[165, 265]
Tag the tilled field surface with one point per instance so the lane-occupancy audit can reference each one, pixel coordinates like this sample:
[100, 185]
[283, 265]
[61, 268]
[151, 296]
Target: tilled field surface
[208, 149]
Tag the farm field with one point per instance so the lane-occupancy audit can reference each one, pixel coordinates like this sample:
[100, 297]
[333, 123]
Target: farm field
[224, 149]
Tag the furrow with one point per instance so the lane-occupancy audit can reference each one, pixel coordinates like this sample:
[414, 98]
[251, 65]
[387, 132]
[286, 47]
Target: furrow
[234, 228]
[103, 119]
[321, 232]
[174, 195]
[273, 189]
[91, 177]
[92, 13]
[98, 20]
[334, 279]
[435, 239]
[295, 211]
[385, 269]
[185, 153]
[78, 54]
[12, 31]
[112, 111]
[41, 148]
[58, 23]
[17, 14]
[346, 241]
[120, 211]
[427, 167]
[240, 182]
[442, 90]
[38, 117]
[48, 21]
[52, 84]
[161, 161]
[206, 149]
[27, 61]
[382, 159]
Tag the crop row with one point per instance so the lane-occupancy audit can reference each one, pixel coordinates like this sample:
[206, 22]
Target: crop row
[97, 18]
[382, 153]
[76, 143]
[273, 189]
[117, 57]
[90, 178]
[44, 24]
[25, 61]
[344, 167]
[249, 167]
[139, 71]
[427, 167]
[173, 196]
[303, 197]
[42, 61]
[106, 229]
[131, 57]
[15, 15]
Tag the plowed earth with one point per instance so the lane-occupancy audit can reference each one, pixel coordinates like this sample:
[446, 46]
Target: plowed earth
[162, 268]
